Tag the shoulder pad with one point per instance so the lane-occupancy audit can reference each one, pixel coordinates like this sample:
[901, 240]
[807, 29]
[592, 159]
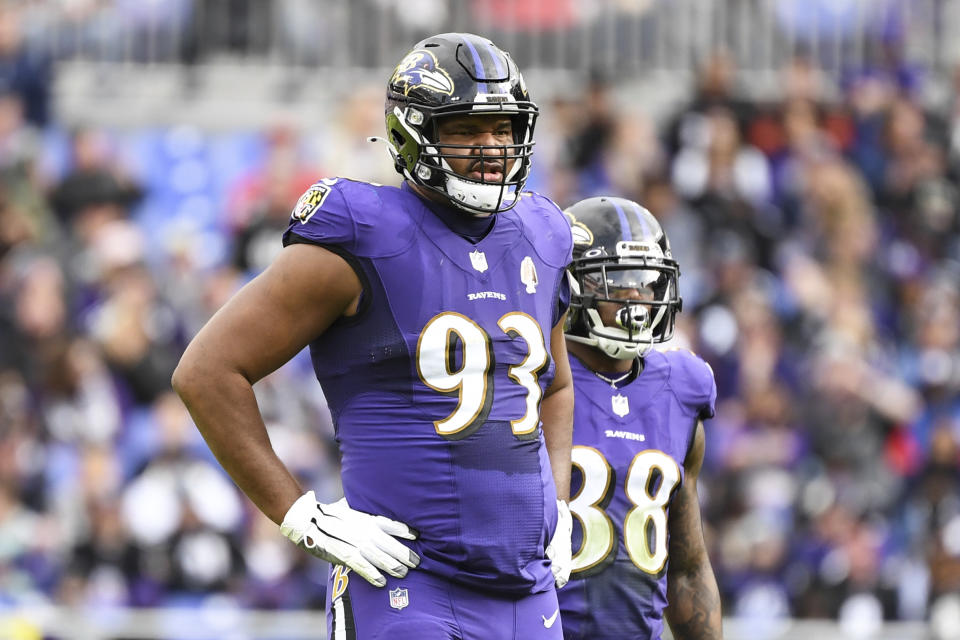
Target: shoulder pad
[364, 218]
[547, 228]
[692, 381]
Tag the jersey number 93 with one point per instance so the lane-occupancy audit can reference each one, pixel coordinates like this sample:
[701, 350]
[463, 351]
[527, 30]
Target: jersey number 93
[472, 381]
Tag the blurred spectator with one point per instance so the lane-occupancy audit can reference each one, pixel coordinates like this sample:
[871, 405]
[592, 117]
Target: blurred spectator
[599, 148]
[134, 326]
[719, 163]
[591, 138]
[94, 189]
[23, 553]
[714, 91]
[15, 228]
[687, 233]
[22, 191]
[260, 201]
[24, 72]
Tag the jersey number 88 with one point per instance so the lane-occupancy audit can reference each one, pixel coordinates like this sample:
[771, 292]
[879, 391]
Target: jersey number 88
[644, 526]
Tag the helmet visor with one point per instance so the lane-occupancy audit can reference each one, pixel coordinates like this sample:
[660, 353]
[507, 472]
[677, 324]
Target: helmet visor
[633, 303]
[624, 283]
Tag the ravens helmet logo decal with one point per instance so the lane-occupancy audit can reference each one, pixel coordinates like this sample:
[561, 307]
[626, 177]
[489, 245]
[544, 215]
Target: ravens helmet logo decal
[582, 236]
[419, 70]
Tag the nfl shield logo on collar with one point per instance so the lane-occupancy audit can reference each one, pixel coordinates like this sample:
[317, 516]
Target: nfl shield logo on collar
[621, 406]
[399, 598]
[479, 260]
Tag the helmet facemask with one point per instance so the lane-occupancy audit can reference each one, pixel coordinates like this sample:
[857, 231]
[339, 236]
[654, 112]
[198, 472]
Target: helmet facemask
[421, 159]
[626, 304]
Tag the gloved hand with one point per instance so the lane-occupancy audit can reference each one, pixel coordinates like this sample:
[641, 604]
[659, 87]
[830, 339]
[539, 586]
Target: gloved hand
[340, 535]
[560, 549]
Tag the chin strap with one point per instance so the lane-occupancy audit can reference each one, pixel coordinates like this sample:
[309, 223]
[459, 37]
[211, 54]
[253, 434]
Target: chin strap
[487, 197]
[611, 348]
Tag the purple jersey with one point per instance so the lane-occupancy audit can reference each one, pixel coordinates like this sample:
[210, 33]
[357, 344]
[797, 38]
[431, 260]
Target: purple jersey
[629, 448]
[435, 385]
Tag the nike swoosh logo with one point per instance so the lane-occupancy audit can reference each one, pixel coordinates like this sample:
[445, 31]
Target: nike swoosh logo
[548, 622]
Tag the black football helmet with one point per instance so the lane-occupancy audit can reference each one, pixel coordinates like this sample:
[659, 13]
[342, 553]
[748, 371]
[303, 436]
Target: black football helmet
[621, 256]
[455, 74]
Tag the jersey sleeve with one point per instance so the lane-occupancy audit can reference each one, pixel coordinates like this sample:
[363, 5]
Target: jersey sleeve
[335, 212]
[322, 215]
[693, 383]
[555, 243]
[556, 249]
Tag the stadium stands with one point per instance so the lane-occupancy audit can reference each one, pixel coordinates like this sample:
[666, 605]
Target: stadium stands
[803, 157]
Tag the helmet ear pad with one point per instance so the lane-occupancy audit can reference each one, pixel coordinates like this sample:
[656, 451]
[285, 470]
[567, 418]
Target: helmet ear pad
[407, 148]
[576, 323]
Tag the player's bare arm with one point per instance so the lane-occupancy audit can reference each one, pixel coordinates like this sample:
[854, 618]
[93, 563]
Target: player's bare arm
[694, 609]
[271, 319]
[556, 414]
[268, 322]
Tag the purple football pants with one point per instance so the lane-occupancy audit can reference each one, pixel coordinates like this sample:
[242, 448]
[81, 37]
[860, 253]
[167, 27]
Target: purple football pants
[422, 606]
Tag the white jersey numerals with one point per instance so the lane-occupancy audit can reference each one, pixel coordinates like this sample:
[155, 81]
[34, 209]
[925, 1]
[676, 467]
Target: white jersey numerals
[471, 381]
[650, 508]
[527, 373]
[651, 479]
[471, 378]
[586, 506]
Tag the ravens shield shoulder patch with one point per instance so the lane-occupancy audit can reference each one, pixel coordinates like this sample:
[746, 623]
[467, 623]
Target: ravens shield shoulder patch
[310, 201]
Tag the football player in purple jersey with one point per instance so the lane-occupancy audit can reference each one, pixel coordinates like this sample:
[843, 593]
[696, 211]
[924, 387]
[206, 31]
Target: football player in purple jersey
[638, 438]
[434, 315]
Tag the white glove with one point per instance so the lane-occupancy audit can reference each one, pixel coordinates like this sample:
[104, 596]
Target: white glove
[560, 549]
[338, 534]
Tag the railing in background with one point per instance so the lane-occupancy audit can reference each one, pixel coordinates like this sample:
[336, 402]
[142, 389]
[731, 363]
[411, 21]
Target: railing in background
[619, 37]
[218, 622]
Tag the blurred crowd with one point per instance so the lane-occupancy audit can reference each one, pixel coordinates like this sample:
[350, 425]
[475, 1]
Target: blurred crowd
[819, 244]
[819, 241]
